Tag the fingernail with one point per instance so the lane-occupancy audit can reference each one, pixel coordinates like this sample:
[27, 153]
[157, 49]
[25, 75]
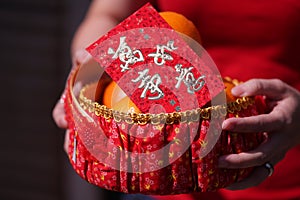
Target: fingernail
[81, 56]
[237, 91]
[227, 125]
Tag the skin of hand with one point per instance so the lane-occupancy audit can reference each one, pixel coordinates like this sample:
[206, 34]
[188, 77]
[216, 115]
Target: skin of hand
[281, 126]
[58, 112]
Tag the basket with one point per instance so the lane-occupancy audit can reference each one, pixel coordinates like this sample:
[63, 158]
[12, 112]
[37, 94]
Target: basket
[107, 150]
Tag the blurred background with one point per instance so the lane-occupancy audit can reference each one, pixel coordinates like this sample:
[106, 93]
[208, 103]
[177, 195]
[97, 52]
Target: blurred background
[35, 38]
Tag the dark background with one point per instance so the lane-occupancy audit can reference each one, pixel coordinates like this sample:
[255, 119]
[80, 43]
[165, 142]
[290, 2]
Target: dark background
[35, 37]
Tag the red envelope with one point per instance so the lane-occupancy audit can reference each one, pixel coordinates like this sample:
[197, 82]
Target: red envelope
[154, 65]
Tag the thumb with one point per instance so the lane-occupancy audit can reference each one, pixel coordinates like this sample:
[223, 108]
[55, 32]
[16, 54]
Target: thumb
[272, 88]
[80, 57]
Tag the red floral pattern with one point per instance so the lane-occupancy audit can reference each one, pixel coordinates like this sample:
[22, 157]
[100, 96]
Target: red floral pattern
[188, 173]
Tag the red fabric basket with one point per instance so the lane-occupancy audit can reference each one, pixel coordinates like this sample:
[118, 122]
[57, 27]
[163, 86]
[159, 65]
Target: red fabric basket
[188, 173]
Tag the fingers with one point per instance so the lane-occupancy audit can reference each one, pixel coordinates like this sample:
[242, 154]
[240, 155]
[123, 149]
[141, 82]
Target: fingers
[270, 151]
[59, 115]
[278, 123]
[275, 120]
[67, 141]
[241, 160]
[257, 176]
[272, 88]
[81, 57]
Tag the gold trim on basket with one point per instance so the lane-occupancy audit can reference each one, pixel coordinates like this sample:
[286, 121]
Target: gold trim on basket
[163, 118]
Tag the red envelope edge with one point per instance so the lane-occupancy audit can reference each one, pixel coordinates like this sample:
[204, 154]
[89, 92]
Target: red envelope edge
[154, 65]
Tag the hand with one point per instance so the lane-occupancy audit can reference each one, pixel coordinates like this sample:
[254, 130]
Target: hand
[280, 125]
[58, 113]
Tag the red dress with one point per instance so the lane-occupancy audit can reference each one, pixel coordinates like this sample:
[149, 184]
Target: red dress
[251, 39]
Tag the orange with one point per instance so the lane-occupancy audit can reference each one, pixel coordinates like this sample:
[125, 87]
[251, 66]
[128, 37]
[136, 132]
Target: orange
[181, 24]
[228, 86]
[112, 94]
[126, 105]
[219, 99]
[114, 97]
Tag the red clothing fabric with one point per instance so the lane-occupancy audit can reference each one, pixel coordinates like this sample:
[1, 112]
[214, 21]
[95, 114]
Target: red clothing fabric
[250, 39]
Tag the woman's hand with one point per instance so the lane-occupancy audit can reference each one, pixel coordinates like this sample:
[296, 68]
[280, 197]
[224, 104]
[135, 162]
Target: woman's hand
[281, 126]
[58, 113]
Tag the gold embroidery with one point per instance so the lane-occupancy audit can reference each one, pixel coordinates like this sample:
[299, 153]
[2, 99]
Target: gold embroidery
[147, 187]
[203, 143]
[163, 118]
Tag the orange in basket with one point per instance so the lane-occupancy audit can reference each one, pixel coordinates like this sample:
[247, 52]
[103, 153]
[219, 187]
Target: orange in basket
[228, 86]
[181, 24]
